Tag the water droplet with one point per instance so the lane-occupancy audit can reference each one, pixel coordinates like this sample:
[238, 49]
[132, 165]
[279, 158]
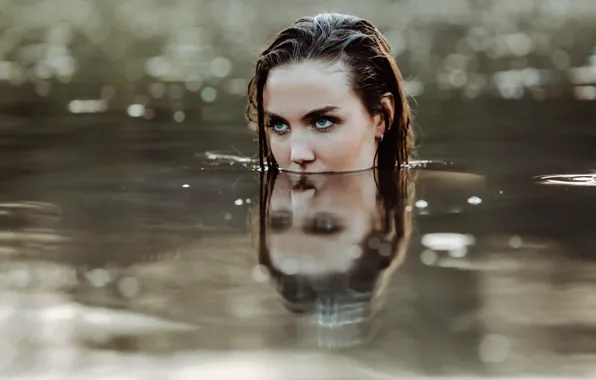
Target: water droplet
[193, 84]
[458, 78]
[260, 273]
[158, 66]
[519, 44]
[221, 67]
[422, 204]
[494, 348]
[208, 94]
[75, 106]
[560, 59]
[179, 116]
[516, 242]
[428, 257]
[128, 287]
[136, 110]
[474, 200]
[414, 87]
[447, 241]
[238, 202]
[459, 252]
[98, 277]
[186, 185]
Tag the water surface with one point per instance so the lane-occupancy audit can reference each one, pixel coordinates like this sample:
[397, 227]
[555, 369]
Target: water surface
[125, 251]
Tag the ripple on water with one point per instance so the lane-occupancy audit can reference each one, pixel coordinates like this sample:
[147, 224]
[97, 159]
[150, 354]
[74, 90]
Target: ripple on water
[218, 160]
[588, 179]
[223, 160]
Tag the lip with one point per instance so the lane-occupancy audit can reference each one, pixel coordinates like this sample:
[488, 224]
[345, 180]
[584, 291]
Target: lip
[326, 172]
[303, 184]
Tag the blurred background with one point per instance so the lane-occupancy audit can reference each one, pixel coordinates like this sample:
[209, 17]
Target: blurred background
[189, 60]
[125, 249]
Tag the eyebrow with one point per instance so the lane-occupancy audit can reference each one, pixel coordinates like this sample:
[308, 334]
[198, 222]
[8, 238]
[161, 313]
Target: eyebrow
[308, 117]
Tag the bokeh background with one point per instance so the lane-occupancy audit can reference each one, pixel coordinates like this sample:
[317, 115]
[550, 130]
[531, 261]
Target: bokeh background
[189, 60]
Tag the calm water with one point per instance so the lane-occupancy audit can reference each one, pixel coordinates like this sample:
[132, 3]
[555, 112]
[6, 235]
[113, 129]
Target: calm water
[125, 252]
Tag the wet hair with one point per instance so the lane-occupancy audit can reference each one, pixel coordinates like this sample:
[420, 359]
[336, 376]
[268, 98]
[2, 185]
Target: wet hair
[372, 71]
[304, 294]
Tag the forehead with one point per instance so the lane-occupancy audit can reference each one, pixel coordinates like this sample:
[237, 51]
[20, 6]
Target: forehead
[297, 88]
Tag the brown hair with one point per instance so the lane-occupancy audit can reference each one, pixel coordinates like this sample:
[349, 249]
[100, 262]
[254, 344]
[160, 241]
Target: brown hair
[373, 71]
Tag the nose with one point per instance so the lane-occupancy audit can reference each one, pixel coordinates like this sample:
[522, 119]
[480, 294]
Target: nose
[301, 200]
[301, 155]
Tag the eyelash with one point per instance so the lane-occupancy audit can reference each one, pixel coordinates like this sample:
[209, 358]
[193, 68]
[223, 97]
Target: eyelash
[334, 121]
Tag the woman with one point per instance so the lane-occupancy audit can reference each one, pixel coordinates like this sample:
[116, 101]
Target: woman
[329, 243]
[327, 96]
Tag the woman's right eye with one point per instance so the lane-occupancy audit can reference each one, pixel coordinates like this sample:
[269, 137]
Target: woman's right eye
[279, 127]
[280, 220]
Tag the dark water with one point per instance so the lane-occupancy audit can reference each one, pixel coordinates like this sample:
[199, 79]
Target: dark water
[127, 253]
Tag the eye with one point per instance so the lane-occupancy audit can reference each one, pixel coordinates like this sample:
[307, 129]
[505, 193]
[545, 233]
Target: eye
[279, 127]
[323, 123]
[280, 221]
[325, 224]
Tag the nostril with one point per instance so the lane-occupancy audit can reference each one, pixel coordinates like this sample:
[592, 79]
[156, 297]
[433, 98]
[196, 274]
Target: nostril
[302, 158]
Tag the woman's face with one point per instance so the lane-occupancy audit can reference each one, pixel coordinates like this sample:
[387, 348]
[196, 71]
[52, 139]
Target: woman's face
[317, 223]
[316, 122]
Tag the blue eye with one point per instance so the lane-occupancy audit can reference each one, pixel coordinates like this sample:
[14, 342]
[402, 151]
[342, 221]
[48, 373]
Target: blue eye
[323, 123]
[280, 127]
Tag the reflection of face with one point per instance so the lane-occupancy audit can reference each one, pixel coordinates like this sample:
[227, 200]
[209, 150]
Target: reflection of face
[341, 136]
[317, 222]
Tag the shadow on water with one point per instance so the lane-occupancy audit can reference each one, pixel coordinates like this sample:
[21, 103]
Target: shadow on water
[126, 249]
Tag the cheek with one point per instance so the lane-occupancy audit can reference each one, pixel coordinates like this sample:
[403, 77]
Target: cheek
[280, 149]
[349, 144]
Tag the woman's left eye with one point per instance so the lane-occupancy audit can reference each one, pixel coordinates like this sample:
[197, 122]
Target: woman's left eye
[325, 224]
[323, 123]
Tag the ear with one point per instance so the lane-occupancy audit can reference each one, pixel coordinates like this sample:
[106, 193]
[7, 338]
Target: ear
[388, 103]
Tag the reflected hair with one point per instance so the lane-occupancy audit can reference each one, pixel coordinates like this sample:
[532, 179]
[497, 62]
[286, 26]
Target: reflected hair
[372, 72]
[395, 191]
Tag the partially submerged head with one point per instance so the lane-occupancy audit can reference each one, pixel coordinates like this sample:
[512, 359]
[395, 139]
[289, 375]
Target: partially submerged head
[327, 96]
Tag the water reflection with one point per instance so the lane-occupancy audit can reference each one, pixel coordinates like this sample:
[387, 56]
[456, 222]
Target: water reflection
[588, 179]
[141, 270]
[329, 242]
